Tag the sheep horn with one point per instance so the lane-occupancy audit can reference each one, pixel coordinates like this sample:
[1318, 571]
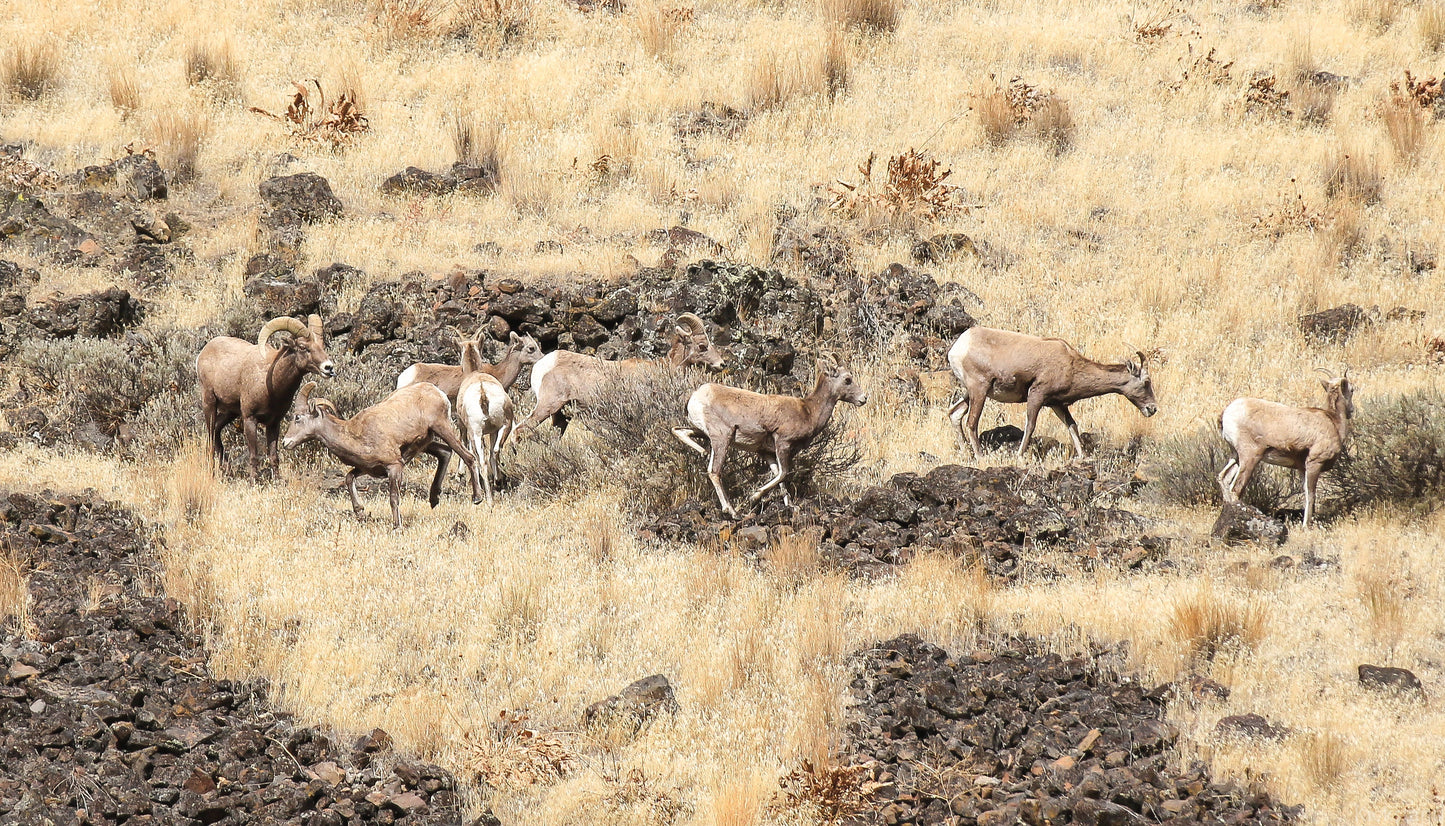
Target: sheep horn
[305, 395]
[1143, 359]
[325, 404]
[284, 324]
[1327, 373]
[315, 323]
[693, 324]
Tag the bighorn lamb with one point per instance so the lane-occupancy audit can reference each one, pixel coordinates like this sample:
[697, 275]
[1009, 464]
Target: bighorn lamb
[773, 427]
[1307, 439]
[257, 382]
[1040, 372]
[487, 418]
[521, 351]
[563, 376]
[380, 440]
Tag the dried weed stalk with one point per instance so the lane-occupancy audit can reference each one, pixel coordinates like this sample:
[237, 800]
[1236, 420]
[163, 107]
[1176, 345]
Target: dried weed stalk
[314, 121]
[829, 793]
[1293, 214]
[1007, 111]
[913, 190]
[512, 755]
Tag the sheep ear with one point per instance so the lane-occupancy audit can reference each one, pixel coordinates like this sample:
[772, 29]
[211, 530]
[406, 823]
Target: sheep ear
[315, 324]
[514, 339]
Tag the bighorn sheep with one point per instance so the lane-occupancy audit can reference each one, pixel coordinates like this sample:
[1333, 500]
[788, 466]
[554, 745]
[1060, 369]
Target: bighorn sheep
[1307, 439]
[521, 351]
[563, 376]
[487, 418]
[257, 382]
[773, 427]
[1040, 372]
[380, 440]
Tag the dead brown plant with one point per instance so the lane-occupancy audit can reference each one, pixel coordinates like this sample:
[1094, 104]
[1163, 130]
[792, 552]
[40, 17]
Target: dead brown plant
[1007, 111]
[402, 20]
[1203, 68]
[490, 24]
[311, 119]
[1352, 176]
[1265, 96]
[1152, 25]
[512, 754]
[18, 173]
[1292, 214]
[914, 189]
[29, 71]
[825, 793]
[1428, 93]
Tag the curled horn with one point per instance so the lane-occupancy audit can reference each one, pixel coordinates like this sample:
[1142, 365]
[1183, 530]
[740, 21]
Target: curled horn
[305, 395]
[1327, 373]
[693, 324]
[284, 324]
[325, 404]
[829, 360]
[315, 324]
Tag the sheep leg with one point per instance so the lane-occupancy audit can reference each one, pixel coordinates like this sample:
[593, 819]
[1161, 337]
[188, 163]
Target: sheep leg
[1062, 411]
[975, 415]
[1226, 478]
[248, 427]
[779, 463]
[956, 415]
[542, 411]
[393, 481]
[356, 507]
[1312, 478]
[448, 435]
[218, 426]
[444, 462]
[486, 455]
[1243, 473]
[273, 440]
[687, 435]
[714, 471]
[1031, 420]
[484, 458]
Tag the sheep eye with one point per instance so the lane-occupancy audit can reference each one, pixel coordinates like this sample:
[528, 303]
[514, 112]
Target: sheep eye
[848, 380]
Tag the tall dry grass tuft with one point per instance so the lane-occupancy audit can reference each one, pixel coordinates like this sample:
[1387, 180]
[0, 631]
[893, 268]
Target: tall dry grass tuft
[768, 83]
[1430, 26]
[1054, 124]
[28, 72]
[658, 26]
[14, 593]
[1375, 15]
[836, 63]
[877, 16]
[124, 90]
[179, 137]
[491, 24]
[794, 557]
[1324, 756]
[600, 535]
[1352, 176]
[405, 20]
[210, 63]
[477, 143]
[194, 487]
[1384, 595]
[1205, 623]
[1405, 124]
[997, 117]
[1313, 102]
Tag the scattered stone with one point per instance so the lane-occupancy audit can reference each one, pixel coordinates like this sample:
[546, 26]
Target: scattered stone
[304, 198]
[1238, 522]
[947, 245]
[414, 181]
[1393, 679]
[1252, 726]
[637, 705]
[1335, 324]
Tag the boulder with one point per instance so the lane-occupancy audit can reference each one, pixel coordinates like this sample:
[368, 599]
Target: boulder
[635, 706]
[1250, 726]
[1335, 324]
[1385, 678]
[414, 181]
[304, 198]
[1238, 522]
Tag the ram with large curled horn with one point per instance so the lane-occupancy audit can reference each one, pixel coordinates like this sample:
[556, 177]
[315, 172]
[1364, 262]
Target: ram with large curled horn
[257, 382]
[1016, 368]
[563, 376]
[1307, 439]
[774, 427]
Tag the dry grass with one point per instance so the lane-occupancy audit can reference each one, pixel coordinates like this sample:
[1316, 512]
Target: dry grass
[194, 486]
[180, 137]
[14, 593]
[124, 90]
[876, 16]
[29, 71]
[658, 26]
[213, 65]
[1406, 124]
[1430, 26]
[1206, 623]
[1353, 176]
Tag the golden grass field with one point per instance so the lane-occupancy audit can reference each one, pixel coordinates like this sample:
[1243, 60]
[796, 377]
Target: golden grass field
[1177, 218]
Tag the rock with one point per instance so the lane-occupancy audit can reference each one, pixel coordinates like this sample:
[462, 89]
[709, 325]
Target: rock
[1335, 324]
[943, 247]
[683, 237]
[822, 250]
[141, 177]
[1238, 522]
[25, 219]
[283, 296]
[637, 705]
[304, 198]
[414, 181]
[474, 180]
[1381, 677]
[1252, 726]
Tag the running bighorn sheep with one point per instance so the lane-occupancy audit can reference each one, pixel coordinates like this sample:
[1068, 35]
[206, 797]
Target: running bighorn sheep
[521, 351]
[256, 382]
[774, 427]
[1041, 372]
[380, 440]
[487, 415]
[1307, 439]
[563, 376]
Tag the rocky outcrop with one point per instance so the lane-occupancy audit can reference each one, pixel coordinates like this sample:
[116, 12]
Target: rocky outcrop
[303, 198]
[1002, 518]
[1013, 733]
[109, 713]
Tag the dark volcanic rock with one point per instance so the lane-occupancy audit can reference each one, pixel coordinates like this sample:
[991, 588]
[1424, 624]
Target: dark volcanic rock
[1252, 726]
[109, 706]
[1335, 324]
[305, 198]
[948, 245]
[1238, 522]
[1012, 733]
[100, 314]
[1001, 518]
[415, 181]
[26, 219]
[636, 705]
[1387, 678]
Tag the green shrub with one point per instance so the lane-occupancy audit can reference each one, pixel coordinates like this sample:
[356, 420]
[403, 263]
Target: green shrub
[1185, 469]
[1396, 455]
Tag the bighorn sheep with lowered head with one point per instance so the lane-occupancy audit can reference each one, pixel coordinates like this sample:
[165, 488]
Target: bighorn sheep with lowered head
[563, 376]
[257, 382]
[774, 427]
[1307, 439]
[380, 440]
[521, 351]
[487, 415]
[1017, 368]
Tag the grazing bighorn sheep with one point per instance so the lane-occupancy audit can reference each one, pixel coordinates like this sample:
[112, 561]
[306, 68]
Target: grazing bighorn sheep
[1307, 439]
[563, 376]
[521, 351]
[773, 427]
[1040, 372]
[257, 382]
[380, 440]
